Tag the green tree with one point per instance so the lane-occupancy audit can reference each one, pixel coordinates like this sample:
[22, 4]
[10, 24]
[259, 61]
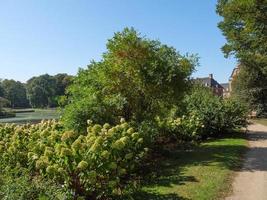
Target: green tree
[46, 90]
[2, 91]
[249, 88]
[245, 27]
[137, 79]
[41, 91]
[62, 82]
[15, 92]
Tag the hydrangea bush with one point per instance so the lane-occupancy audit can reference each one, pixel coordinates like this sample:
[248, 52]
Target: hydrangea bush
[95, 165]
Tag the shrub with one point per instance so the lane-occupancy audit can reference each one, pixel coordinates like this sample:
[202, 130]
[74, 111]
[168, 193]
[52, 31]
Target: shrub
[20, 185]
[216, 115]
[137, 79]
[97, 164]
[185, 128]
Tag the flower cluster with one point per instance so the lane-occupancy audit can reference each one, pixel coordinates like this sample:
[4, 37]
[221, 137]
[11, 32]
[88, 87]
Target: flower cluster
[100, 163]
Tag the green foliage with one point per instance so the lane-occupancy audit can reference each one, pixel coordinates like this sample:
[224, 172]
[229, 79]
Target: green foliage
[137, 79]
[45, 90]
[245, 27]
[20, 185]
[99, 164]
[3, 112]
[216, 115]
[250, 87]
[15, 93]
[2, 91]
[185, 128]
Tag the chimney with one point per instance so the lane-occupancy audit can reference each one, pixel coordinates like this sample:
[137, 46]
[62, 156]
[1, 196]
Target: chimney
[211, 76]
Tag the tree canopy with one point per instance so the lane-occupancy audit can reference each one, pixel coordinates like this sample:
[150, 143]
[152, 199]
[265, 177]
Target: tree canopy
[245, 27]
[15, 92]
[44, 90]
[133, 80]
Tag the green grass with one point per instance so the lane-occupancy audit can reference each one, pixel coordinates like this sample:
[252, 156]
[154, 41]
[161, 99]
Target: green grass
[32, 117]
[261, 121]
[201, 173]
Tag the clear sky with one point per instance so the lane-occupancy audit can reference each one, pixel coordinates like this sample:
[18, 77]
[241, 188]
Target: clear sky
[56, 36]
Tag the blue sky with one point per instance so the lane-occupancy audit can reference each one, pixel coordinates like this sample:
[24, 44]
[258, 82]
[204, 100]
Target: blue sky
[55, 36]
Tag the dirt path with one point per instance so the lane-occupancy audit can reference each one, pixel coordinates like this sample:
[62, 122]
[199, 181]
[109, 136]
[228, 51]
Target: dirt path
[251, 181]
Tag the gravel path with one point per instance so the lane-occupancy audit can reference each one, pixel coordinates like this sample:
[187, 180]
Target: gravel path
[251, 181]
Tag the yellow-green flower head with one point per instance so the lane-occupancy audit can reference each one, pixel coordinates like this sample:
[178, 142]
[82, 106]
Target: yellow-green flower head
[140, 140]
[11, 150]
[30, 155]
[41, 164]
[65, 152]
[130, 131]
[105, 154]
[96, 129]
[90, 139]
[51, 170]
[76, 145]
[112, 165]
[111, 131]
[61, 171]
[95, 146]
[116, 191]
[125, 139]
[106, 126]
[124, 125]
[81, 137]
[68, 135]
[82, 165]
[119, 144]
[58, 148]
[135, 135]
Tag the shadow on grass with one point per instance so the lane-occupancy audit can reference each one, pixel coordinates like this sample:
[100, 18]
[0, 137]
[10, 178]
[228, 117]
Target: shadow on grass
[168, 170]
[150, 196]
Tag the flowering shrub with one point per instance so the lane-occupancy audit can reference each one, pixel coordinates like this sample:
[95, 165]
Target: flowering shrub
[186, 128]
[218, 115]
[96, 165]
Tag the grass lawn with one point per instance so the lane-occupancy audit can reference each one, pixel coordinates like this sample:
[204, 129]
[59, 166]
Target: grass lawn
[261, 121]
[31, 117]
[200, 173]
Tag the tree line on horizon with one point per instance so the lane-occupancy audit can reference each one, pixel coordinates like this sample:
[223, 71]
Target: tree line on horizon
[44, 91]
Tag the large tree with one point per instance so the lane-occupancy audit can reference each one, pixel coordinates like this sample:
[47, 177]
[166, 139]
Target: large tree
[137, 79]
[41, 91]
[62, 82]
[15, 92]
[245, 27]
[44, 90]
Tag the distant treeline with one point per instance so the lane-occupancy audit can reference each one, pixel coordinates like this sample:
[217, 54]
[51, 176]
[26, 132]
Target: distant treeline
[41, 91]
